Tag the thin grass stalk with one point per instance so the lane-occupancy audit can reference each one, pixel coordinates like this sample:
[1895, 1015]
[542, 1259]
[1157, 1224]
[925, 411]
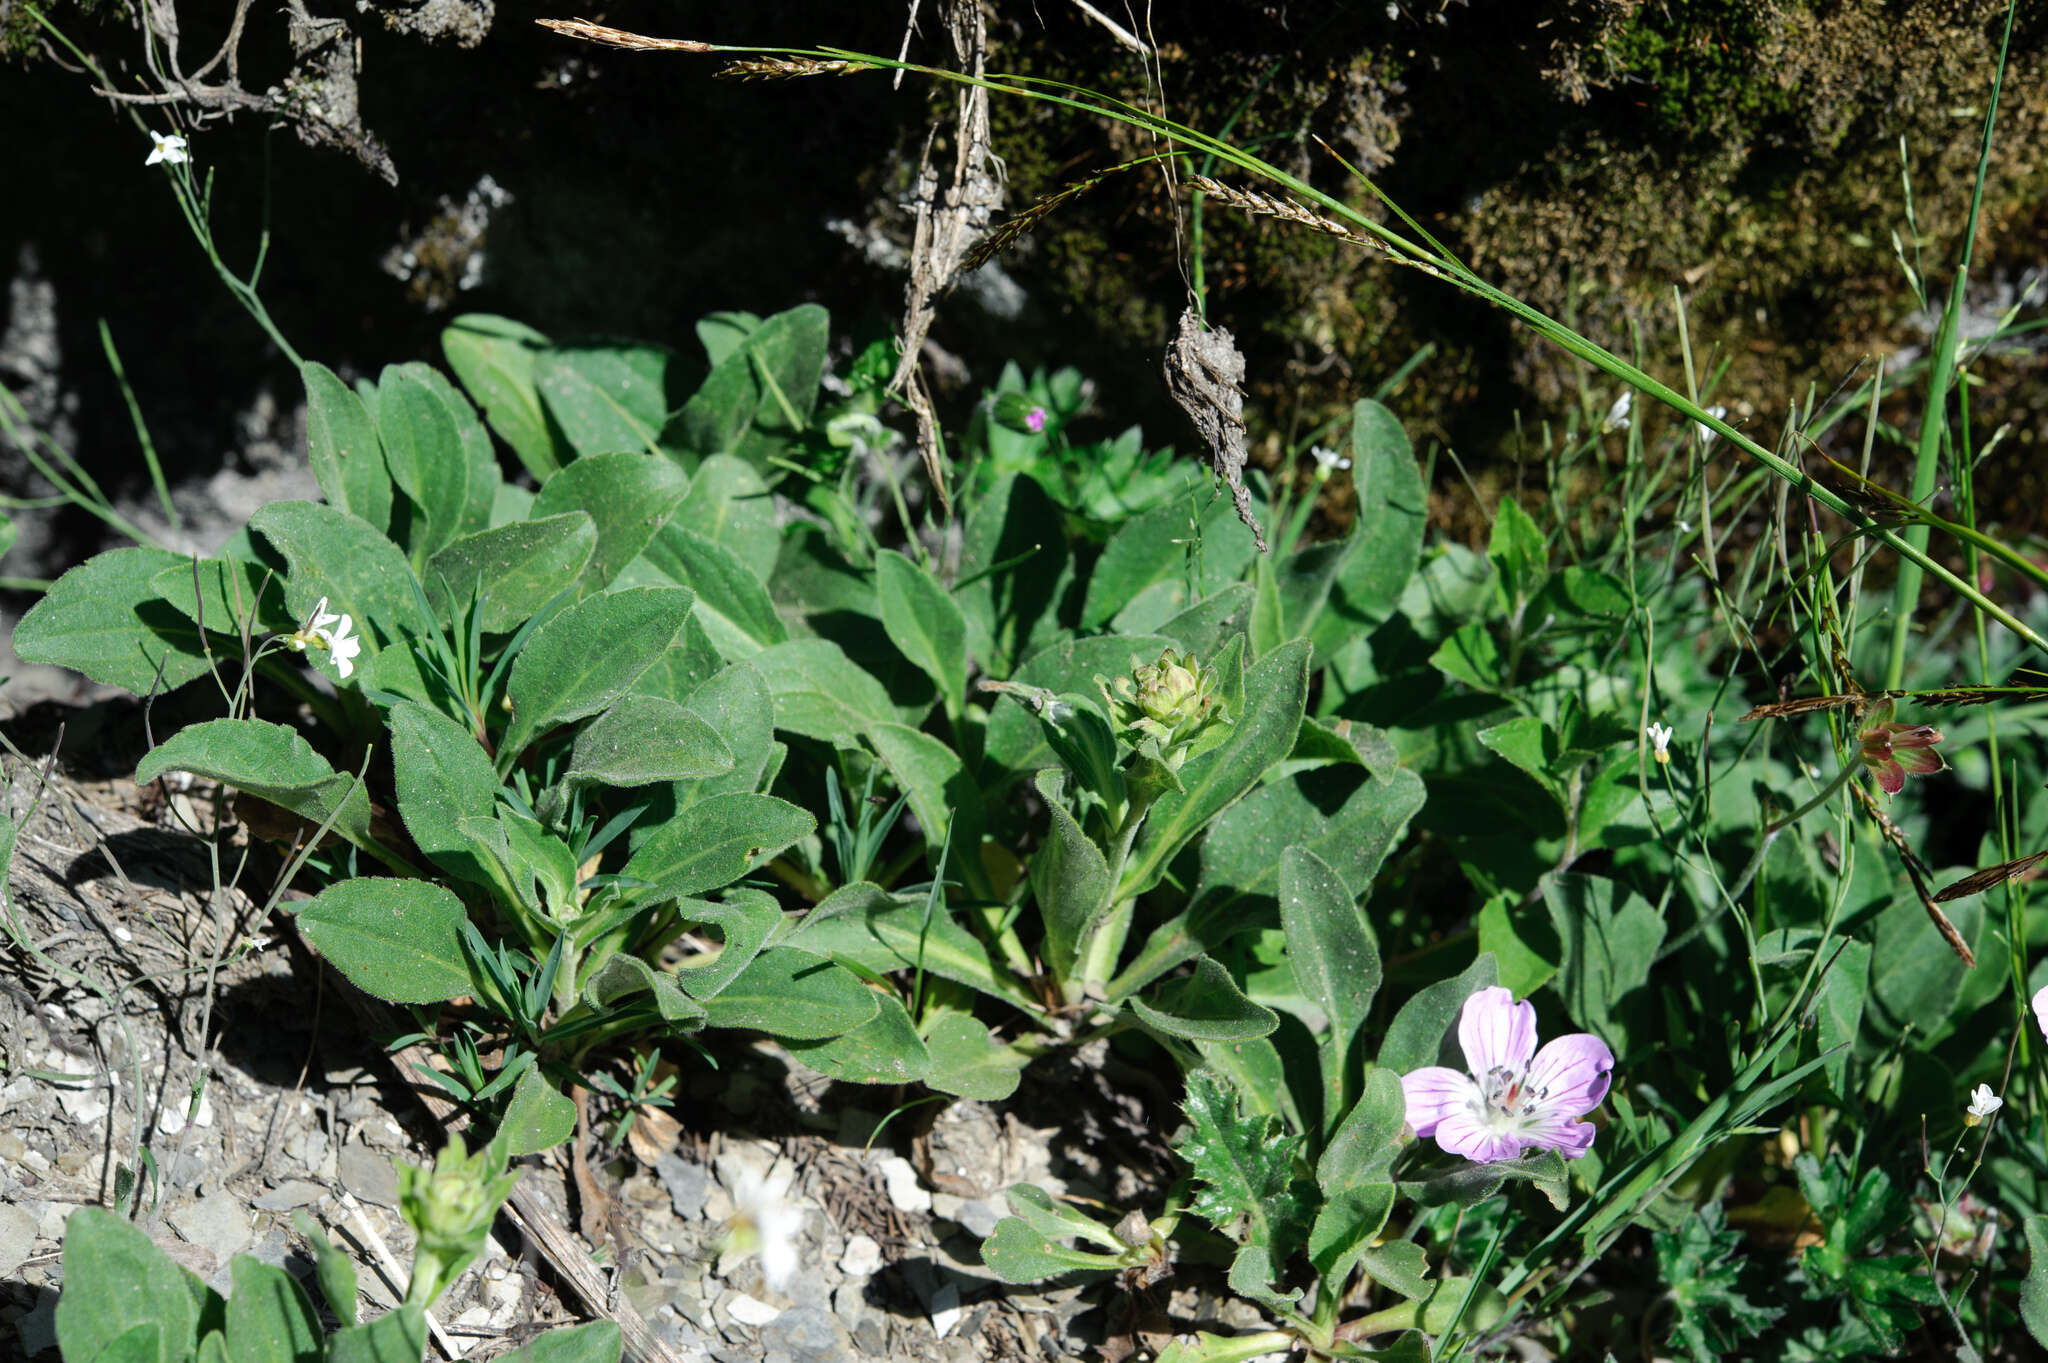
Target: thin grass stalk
[1934, 419]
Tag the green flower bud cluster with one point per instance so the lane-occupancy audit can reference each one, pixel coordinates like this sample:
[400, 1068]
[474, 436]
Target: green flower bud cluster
[1170, 709]
[450, 1208]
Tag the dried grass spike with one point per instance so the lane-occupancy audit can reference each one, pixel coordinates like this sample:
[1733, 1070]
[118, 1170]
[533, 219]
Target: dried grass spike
[1991, 877]
[1265, 205]
[618, 37]
[1205, 375]
[782, 68]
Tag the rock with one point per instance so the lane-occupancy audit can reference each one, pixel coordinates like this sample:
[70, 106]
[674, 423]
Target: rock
[215, 1223]
[368, 1175]
[172, 1119]
[979, 1216]
[945, 1309]
[17, 1237]
[289, 1195]
[751, 1311]
[863, 1257]
[808, 1334]
[904, 1190]
[688, 1184]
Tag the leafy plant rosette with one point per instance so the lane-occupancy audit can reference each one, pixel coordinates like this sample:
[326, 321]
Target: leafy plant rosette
[589, 694]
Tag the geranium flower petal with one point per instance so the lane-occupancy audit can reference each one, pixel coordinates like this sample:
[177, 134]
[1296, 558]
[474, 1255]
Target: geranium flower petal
[1918, 761]
[1573, 1074]
[1496, 1032]
[1555, 1131]
[1461, 1133]
[1433, 1093]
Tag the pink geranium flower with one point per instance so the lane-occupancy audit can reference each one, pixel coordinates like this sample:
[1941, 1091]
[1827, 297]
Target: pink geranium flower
[1892, 751]
[1516, 1098]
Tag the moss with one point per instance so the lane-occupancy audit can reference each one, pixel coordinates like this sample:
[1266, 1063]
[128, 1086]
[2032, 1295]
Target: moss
[21, 37]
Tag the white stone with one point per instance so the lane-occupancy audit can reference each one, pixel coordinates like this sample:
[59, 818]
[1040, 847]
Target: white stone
[946, 1311]
[748, 1311]
[863, 1257]
[904, 1190]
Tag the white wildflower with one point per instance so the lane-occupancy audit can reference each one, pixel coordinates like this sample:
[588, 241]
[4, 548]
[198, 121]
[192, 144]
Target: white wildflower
[331, 633]
[1660, 742]
[1328, 461]
[1983, 1102]
[170, 150]
[765, 1222]
[1708, 433]
[1617, 418]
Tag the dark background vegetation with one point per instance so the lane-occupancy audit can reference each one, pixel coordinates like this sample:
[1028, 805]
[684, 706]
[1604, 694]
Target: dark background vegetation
[1588, 154]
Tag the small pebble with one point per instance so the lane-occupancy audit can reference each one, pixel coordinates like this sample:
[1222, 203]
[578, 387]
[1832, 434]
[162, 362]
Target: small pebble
[748, 1311]
[904, 1190]
[863, 1257]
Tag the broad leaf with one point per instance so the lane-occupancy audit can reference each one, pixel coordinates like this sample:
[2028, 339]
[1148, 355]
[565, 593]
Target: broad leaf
[1335, 962]
[966, 1060]
[1070, 879]
[494, 358]
[269, 1318]
[639, 740]
[1206, 1006]
[517, 568]
[400, 940]
[398, 1336]
[343, 448]
[588, 656]
[597, 1342]
[761, 394]
[734, 606]
[730, 504]
[885, 1049]
[442, 776]
[1416, 1035]
[821, 693]
[105, 619]
[923, 622]
[272, 763]
[539, 1116]
[116, 1281]
[606, 399]
[716, 843]
[793, 994]
[628, 497]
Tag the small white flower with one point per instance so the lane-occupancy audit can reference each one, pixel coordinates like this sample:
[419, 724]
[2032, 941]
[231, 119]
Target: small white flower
[1708, 433]
[1617, 415]
[330, 632]
[344, 647]
[1983, 1102]
[170, 149]
[765, 1222]
[1660, 742]
[2041, 1008]
[1328, 461]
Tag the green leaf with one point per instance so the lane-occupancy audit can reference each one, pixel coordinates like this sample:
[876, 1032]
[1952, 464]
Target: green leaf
[228, 593]
[1522, 940]
[639, 740]
[588, 656]
[865, 925]
[1468, 1185]
[442, 777]
[1149, 565]
[116, 1281]
[1070, 879]
[343, 558]
[606, 399]
[966, 1060]
[720, 333]
[942, 794]
[1470, 656]
[1277, 693]
[139, 1344]
[1518, 552]
[885, 1049]
[1332, 953]
[1838, 1003]
[628, 497]
[625, 976]
[272, 763]
[821, 693]
[1345, 1228]
[1416, 1034]
[731, 505]
[424, 451]
[717, 842]
[343, 448]
[735, 702]
[1014, 568]
[396, 1337]
[1610, 937]
[2034, 1290]
[597, 1342]
[790, 993]
[105, 619]
[1016, 736]
[1392, 506]
[1364, 1145]
[1530, 745]
[494, 358]
[1057, 1220]
[1016, 1253]
[400, 940]
[923, 622]
[1206, 1006]
[1914, 977]
[332, 1269]
[1243, 1169]
[539, 1116]
[746, 920]
[269, 1318]
[762, 393]
[519, 568]
[1402, 1266]
[1205, 627]
[734, 606]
